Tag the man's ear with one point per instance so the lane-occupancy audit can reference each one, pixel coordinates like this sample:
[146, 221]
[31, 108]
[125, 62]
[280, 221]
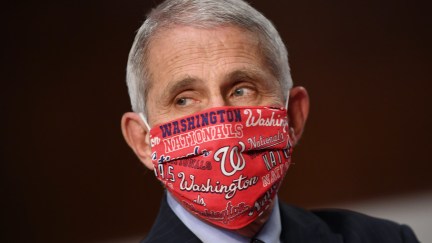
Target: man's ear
[298, 110]
[137, 136]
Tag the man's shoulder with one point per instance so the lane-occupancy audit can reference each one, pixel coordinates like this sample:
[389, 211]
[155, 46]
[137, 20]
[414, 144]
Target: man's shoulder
[349, 226]
[354, 225]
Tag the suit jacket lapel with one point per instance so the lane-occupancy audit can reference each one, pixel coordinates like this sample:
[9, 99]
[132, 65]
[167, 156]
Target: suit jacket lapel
[299, 225]
[168, 228]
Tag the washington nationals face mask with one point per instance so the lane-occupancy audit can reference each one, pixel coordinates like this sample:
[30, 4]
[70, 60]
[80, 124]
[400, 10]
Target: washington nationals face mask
[223, 164]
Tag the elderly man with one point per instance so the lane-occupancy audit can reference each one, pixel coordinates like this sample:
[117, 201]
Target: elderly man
[216, 118]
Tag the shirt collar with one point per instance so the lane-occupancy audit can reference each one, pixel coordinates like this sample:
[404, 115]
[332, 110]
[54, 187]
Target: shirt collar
[208, 233]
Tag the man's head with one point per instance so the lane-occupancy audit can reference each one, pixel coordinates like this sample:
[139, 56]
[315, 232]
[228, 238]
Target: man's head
[202, 14]
[234, 20]
[190, 55]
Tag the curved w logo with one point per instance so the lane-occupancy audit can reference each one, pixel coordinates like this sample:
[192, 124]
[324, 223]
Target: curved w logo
[236, 159]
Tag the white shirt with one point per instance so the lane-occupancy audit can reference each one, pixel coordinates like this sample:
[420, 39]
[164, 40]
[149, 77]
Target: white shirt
[208, 233]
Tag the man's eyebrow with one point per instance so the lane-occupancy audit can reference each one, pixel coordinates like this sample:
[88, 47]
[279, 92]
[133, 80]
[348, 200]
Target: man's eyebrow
[248, 74]
[241, 74]
[177, 86]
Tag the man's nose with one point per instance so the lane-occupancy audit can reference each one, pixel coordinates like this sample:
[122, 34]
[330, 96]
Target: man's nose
[217, 100]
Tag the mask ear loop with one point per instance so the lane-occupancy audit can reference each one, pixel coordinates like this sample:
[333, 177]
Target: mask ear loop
[143, 118]
[287, 100]
[286, 107]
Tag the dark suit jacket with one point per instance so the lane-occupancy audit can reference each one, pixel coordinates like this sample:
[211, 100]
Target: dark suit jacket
[298, 226]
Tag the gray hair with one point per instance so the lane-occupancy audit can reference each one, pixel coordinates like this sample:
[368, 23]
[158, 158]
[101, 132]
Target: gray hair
[203, 14]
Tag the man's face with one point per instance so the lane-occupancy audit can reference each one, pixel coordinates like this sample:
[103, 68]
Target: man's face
[193, 69]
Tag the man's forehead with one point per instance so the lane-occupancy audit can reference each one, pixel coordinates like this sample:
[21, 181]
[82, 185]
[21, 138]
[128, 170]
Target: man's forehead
[183, 47]
[194, 34]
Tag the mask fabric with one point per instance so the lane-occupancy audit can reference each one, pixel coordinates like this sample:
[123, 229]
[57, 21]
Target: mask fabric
[224, 164]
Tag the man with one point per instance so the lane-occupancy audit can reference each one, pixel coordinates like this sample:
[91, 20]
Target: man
[216, 118]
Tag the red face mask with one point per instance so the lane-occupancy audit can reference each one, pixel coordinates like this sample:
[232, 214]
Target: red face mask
[224, 164]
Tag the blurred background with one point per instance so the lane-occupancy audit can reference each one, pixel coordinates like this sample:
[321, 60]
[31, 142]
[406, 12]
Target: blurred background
[68, 176]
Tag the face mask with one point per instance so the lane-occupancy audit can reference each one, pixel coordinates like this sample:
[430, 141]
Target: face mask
[223, 164]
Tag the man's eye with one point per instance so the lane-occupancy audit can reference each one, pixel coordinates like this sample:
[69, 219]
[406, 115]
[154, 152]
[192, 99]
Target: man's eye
[182, 101]
[238, 92]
